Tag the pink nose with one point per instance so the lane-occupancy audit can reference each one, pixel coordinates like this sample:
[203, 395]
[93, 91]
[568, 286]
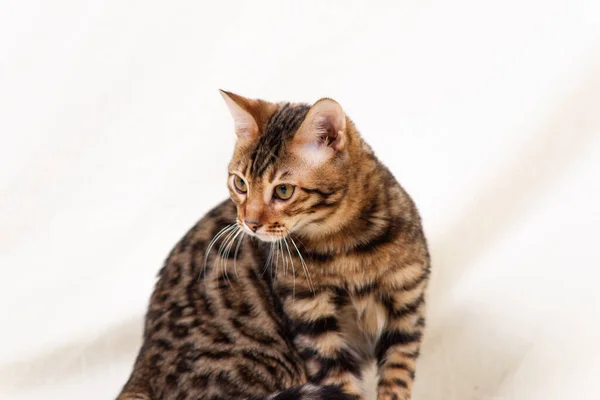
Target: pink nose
[253, 225]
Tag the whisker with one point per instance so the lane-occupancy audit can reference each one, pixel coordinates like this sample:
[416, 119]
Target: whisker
[273, 265]
[223, 262]
[225, 241]
[227, 252]
[274, 262]
[268, 260]
[235, 253]
[276, 244]
[298, 239]
[304, 266]
[212, 243]
[293, 269]
[284, 260]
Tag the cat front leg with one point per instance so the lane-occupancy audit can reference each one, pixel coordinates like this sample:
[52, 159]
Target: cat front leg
[317, 335]
[398, 346]
[397, 365]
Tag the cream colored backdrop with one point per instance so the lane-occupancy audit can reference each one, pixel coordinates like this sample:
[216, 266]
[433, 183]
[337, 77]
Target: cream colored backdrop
[114, 141]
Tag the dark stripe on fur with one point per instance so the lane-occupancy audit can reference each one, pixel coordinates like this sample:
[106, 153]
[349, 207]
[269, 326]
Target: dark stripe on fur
[366, 289]
[389, 235]
[324, 195]
[299, 294]
[391, 338]
[256, 335]
[305, 392]
[280, 127]
[344, 361]
[317, 327]
[408, 286]
[319, 257]
[394, 382]
[404, 309]
[403, 367]
[254, 377]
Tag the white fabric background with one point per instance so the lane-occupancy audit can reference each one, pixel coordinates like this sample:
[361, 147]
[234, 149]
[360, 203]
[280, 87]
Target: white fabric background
[114, 141]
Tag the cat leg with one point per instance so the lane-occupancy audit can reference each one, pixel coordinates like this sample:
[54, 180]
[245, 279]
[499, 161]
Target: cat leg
[398, 348]
[317, 334]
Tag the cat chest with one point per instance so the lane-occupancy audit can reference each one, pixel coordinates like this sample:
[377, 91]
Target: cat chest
[362, 322]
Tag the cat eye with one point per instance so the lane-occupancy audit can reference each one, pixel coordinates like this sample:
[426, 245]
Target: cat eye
[284, 191]
[240, 184]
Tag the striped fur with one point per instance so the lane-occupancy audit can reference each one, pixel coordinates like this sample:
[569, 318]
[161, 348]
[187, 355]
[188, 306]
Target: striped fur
[337, 281]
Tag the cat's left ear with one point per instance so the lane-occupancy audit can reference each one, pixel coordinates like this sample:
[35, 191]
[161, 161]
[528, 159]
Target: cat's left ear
[248, 114]
[323, 131]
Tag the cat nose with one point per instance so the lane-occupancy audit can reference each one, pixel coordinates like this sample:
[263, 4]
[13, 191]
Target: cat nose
[253, 225]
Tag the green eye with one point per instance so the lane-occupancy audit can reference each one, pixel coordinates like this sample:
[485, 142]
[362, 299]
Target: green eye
[284, 192]
[240, 184]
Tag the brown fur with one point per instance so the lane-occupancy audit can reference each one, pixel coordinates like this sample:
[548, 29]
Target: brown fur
[342, 284]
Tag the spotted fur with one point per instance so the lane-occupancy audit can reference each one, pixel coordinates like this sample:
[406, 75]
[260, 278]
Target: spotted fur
[321, 285]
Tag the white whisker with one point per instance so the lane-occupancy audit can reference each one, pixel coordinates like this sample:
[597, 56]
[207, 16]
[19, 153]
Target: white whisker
[276, 263]
[276, 244]
[228, 251]
[293, 269]
[212, 243]
[235, 253]
[222, 263]
[268, 260]
[304, 266]
[284, 260]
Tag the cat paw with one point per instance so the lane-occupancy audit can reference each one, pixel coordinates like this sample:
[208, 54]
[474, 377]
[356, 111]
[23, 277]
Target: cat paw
[387, 394]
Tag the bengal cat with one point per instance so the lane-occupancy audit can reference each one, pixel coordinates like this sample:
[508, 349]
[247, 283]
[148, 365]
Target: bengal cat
[316, 266]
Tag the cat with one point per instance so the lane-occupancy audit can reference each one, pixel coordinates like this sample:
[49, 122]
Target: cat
[315, 267]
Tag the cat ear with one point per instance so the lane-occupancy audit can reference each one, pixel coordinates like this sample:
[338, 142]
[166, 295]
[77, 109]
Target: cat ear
[323, 131]
[243, 111]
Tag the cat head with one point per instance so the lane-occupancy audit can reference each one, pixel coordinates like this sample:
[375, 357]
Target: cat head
[290, 167]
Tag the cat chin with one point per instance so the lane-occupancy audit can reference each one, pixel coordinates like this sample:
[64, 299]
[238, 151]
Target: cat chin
[266, 238]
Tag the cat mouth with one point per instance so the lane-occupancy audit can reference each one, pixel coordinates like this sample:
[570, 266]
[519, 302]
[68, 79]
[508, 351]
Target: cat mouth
[269, 235]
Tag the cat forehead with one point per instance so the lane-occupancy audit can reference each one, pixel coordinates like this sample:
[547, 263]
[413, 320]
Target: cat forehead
[286, 119]
[270, 147]
[278, 170]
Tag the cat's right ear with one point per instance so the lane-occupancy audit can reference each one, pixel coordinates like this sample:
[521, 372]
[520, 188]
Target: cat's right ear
[243, 111]
[322, 133]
